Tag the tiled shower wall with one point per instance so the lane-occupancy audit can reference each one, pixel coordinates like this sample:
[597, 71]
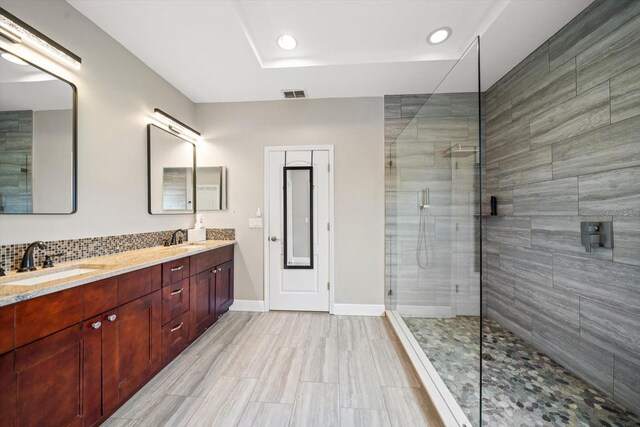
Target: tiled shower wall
[16, 144]
[75, 249]
[418, 130]
[563, 146]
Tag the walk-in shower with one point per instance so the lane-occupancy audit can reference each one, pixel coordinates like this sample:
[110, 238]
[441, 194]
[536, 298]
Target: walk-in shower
[515, 282]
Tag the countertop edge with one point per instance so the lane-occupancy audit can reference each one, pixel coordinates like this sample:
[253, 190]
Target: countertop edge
[72, 283]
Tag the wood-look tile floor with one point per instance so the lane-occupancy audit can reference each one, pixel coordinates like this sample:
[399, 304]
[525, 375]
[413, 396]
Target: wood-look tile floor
[285, 369]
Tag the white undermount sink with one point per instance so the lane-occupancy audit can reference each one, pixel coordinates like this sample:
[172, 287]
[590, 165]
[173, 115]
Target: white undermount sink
[42, 278]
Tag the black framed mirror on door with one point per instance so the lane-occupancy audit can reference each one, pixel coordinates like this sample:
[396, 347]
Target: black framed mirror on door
[298, 217]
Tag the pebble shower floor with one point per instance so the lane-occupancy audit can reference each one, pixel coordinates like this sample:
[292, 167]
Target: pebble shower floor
[521, 387]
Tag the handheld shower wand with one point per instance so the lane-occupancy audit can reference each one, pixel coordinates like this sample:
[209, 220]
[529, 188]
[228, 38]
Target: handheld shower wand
[423, 232]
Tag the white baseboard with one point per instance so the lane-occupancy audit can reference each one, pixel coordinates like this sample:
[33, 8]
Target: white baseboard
[358, 309]
[247, 305]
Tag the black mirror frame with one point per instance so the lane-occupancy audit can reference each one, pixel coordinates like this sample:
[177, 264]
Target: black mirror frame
[284, 205]
[194, 208]
[74, 144]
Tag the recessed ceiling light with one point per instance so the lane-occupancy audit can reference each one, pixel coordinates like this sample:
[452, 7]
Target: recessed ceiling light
[12, 58]
[438, 36]
[287, 42]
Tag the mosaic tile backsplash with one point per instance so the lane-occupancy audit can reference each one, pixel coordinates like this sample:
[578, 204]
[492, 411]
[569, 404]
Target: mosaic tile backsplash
[75, 249]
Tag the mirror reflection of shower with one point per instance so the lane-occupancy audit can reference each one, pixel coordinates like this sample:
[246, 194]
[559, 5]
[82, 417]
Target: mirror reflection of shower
[424, 249]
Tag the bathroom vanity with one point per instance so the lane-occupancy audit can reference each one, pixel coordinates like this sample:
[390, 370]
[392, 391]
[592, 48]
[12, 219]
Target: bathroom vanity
[73, 350]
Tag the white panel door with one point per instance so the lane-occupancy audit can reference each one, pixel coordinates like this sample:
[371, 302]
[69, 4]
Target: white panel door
[299, 281]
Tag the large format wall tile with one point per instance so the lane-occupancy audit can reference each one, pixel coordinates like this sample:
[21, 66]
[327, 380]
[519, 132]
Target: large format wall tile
[580, 356]
[552, 304]
[531, 264]
[562, 140]
[510, 230]
[610, 147]
[625, 95]
[594, 23]
[613, 283]
[626, 248]
[610, 328]
[587, 111]
[559, 197]
[511, 139]
[611, 193]
[627, 384]
[443, 128]
[531, 69]
[562, 234]
[611, 55]
[556, 87]
[526, 168]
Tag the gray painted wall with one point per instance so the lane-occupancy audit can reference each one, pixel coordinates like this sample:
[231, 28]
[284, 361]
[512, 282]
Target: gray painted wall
[235, 135]
[563, 146]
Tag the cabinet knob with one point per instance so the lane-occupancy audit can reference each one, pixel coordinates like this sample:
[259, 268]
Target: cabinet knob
[179, 291]
[177, 327]
[177, 268]
[96, 325]
[219, 268]
[111, 318]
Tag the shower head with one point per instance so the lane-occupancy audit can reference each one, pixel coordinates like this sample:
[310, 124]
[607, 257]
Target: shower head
[459, 150]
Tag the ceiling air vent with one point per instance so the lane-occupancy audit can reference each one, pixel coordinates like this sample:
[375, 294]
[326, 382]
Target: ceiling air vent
[294, 94]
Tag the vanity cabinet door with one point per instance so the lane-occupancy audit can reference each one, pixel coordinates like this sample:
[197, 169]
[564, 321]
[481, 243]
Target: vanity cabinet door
[203, 302]
[7, 389]
[58, 379]
[131, 348]
[224, 288]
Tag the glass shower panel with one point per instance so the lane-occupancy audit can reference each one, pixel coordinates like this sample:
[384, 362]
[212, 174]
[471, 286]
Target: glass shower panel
[433, 218]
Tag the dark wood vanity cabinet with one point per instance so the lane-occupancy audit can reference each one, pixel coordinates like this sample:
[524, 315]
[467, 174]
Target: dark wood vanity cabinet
[71, 358]
[224, 288]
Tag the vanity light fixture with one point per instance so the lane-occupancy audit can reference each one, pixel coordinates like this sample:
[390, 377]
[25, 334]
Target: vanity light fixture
[18, 31]
[176, 127]
[12, 58]
[439, 35]
[287, 42]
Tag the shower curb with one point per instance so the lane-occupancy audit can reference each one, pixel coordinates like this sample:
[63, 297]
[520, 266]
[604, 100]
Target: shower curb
[446, 405]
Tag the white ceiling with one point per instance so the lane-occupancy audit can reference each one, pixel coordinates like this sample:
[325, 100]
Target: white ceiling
[218, 51]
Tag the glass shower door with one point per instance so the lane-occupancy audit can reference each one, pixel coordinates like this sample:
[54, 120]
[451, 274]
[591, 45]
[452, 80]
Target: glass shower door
[433, 227]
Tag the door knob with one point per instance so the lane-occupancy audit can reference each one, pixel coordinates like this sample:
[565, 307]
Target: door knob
[274, 239]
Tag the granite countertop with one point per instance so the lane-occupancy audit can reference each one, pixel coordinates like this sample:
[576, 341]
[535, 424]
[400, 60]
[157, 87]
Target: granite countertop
[103, 267]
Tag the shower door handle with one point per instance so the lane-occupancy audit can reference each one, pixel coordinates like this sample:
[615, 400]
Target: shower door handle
[274, 239]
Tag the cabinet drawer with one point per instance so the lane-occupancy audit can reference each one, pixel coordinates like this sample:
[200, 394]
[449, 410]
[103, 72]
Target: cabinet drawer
[175, 271]
[175, 337]
[100, 296]
[7, 319]
[224, 254]
[138, 283]
[175, 300]
[42, 316]
[205, 261]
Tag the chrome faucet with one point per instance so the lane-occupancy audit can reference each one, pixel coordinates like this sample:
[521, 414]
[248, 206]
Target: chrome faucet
[27, 264]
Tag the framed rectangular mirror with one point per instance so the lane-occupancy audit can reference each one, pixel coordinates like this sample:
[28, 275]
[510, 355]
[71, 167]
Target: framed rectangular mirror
[211, 188]
[171, 173]
[298, 217]
[38, 140]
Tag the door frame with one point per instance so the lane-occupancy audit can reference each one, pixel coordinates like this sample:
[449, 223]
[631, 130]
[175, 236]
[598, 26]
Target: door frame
[265, 229]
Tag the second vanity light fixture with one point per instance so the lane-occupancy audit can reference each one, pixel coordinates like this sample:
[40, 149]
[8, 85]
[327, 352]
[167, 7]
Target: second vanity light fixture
[17, 31]
[176, 127]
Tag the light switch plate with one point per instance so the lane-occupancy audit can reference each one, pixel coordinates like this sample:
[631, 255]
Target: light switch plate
[255, 222]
